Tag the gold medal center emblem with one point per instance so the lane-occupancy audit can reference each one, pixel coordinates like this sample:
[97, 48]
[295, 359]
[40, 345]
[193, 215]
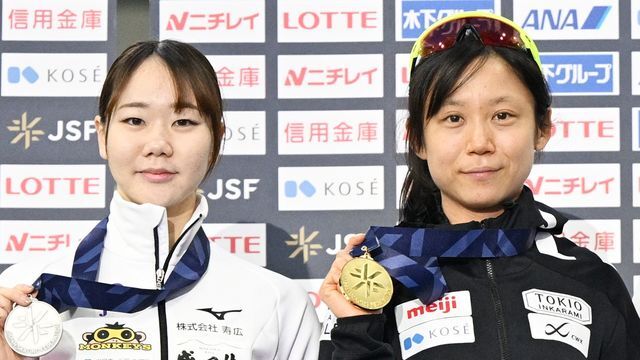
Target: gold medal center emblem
[366, 283]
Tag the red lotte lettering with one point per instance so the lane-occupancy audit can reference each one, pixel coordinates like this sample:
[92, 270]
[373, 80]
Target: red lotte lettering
[310, 20]
[584, 129]
[53, 186]
[243, 244]
[443, 306]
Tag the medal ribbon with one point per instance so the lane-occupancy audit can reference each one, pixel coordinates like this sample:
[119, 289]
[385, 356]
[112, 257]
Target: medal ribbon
[411, 255]
[81, 289]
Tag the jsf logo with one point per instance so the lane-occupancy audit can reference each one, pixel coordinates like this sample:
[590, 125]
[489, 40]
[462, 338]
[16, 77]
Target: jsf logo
[561, 19]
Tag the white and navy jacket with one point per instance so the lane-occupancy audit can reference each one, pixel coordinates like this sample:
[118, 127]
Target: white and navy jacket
[236, 311]
[557, 301]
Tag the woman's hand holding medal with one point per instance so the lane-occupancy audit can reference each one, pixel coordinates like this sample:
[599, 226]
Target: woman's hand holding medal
[8, 297]
[334, 291]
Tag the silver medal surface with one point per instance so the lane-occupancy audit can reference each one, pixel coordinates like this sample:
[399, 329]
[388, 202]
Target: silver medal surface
[33, 330]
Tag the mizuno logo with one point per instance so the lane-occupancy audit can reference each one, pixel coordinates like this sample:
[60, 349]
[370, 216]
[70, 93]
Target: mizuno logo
[219, 314]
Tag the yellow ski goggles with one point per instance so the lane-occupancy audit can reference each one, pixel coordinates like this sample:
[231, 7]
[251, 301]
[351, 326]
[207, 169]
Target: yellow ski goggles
[491, 29]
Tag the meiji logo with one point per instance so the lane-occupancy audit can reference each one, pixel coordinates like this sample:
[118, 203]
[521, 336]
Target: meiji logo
[26, 239]
[455, 330]
[52, 186]
[247, 241]
[415, 16]
[414, 312]
[557, 304]
[62, 20]
[244, 133]
[222, 21]
[553, 20]
[240, 76]
[585, 129]
[233, 189]
[330, 76]
[600, 236]
[594, 73]
[576, 185]
[331, 132]
[53, 74]
[329, 20]
[330, 188]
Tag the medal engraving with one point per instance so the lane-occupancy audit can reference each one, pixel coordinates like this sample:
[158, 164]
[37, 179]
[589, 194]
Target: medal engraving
[33, 330]
[366, 283]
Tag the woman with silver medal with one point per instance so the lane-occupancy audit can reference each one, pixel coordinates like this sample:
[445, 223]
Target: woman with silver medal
[141, 276]
[480, 269]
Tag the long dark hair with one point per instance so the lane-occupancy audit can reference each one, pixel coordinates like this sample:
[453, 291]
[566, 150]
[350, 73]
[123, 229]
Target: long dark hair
[433, 80]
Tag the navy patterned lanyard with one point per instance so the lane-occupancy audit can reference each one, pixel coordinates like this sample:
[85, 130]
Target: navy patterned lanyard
[81, 289]
[411, 255]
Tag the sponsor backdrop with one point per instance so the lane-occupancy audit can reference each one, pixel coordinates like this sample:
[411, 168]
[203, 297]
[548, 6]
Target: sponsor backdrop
[315, 93]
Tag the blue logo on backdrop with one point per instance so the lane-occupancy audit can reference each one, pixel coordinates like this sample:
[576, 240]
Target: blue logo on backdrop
[14, 74]
[580, 73]
[417, 15]
[561, 19]
[305, 187]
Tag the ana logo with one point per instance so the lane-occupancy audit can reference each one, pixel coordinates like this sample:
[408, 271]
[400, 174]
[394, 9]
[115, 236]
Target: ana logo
[567, 20]
[114, 337]
[560, 19]
[25, 130]
[303, 244]
[306, 188]
[417, 15]
[14, 74]
[594, 73]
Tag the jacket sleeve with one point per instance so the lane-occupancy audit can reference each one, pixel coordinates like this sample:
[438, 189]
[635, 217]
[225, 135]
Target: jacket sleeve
[357, 337]
[292, 330]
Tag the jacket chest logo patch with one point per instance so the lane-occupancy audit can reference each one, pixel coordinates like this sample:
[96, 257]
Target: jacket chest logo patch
[114, 337]
[445, 321]
[557, 304]
[559, 317]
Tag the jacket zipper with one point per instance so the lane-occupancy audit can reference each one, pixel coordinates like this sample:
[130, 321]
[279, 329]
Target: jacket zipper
[497, 307]
[160, 272]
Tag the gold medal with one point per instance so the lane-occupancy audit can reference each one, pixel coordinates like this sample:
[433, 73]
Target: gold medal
[366, 283]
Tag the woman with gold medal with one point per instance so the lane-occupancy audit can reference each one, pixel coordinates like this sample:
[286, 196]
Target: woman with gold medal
[480, 269]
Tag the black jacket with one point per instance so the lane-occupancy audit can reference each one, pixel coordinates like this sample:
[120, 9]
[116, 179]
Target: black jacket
[576, 306]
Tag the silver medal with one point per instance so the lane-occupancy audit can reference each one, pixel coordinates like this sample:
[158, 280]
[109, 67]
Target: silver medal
[33, 330]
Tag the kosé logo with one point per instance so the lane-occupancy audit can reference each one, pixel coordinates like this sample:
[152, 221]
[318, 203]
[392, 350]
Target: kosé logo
[567, 20]
[52, 186]
[244, 133]
[53, 75]
[331, 188]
